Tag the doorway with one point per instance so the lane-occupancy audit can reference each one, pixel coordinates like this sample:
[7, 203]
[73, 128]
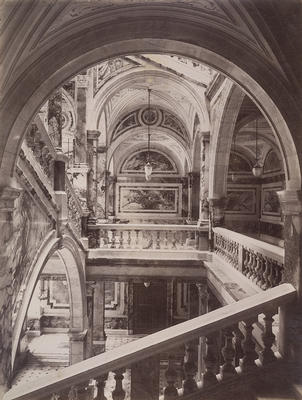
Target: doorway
[149, 306]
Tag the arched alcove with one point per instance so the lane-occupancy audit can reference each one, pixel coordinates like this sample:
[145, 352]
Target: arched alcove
[68, 252]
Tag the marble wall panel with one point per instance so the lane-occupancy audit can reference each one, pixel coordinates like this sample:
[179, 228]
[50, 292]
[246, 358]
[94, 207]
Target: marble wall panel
[20, 240]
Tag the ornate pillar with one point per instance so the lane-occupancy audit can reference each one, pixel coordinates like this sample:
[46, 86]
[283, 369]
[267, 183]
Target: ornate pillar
[290, 321]
[92, 160]
[80, 168]
[204, 177]
[102, 182]
[190, 185]
[8, 195]
[99, 336]
[60, 190]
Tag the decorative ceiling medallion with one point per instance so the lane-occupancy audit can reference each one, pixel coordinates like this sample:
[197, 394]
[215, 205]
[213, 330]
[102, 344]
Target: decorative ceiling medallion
[150, 116]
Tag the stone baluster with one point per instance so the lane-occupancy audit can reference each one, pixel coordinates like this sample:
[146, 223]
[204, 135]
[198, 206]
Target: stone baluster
[100, 383]
[106, 238]
[136, 238]
[170, 392]
[271, 273]
[73, 393]
[250, 264]
[174, 240]
[245, 260]
[238, 337]
[265, 284]
[157, 240]
[248, 361]
[227, 369]
[129, 240]
[113, 246]
[258, 269]
[121, 245]
[267, 355]
[210, 362]
[260, 281]
[183, 237]
[55, 396]
[190, 369]
[118, 393]
[166, 240]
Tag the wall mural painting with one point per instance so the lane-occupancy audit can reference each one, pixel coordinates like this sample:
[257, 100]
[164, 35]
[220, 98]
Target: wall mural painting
[270, 204]
[154, 199]
[272, 163]
[241, 201]
[159, 162]
[238, 163]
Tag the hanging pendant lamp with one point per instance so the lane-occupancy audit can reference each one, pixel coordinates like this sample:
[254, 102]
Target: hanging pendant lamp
[148, 166]
[257, 168]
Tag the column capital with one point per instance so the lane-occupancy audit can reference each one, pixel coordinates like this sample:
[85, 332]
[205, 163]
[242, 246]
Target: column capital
[77, 336]
[8, 195]
[291, 201]
[92, 134]
[60, 156]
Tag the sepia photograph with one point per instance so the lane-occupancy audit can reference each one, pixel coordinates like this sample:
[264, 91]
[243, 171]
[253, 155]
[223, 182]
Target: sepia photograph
[150, 199]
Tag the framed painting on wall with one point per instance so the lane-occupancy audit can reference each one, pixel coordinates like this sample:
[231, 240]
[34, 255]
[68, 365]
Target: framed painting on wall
[270, 204]
[149, 199]
[241, 201]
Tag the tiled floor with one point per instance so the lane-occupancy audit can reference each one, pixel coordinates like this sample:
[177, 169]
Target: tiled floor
[56, 346]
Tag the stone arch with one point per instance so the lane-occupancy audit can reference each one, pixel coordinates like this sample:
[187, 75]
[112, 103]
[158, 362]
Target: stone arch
[69, 254]
[221, 141]
[153, 29]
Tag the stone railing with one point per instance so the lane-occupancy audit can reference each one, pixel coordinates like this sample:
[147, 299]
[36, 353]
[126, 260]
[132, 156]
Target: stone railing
[261, 262]
[41, 148]
[148, 236]
[75, 211]
[223, 338]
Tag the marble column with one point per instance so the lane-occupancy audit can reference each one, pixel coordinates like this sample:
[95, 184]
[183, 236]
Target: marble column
[204, 178]
[92, 160]
[290, 321]
[190, 185]
[203, 302]
[80, 168]
[7, 197]
[90, 286]
[195, 196]
[77, 345]
[102, 178]
[60, 190]
[99, 336]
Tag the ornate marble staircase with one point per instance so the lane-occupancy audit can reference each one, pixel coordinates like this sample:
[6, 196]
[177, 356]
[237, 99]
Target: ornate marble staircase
[235, 365]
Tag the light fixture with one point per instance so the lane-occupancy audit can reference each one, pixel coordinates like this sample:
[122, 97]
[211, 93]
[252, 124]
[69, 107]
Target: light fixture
[257, 168]
[148, 166]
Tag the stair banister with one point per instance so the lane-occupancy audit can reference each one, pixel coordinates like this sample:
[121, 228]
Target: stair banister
[154, 344]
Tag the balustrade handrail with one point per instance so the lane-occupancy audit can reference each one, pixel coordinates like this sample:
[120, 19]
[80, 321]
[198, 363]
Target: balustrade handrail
[156, 343]
[266, 249]
[149, 227]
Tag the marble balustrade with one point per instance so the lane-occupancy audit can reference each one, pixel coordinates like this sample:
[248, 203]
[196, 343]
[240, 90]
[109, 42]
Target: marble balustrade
[261, 262]
[229, 355]
[148, 236]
